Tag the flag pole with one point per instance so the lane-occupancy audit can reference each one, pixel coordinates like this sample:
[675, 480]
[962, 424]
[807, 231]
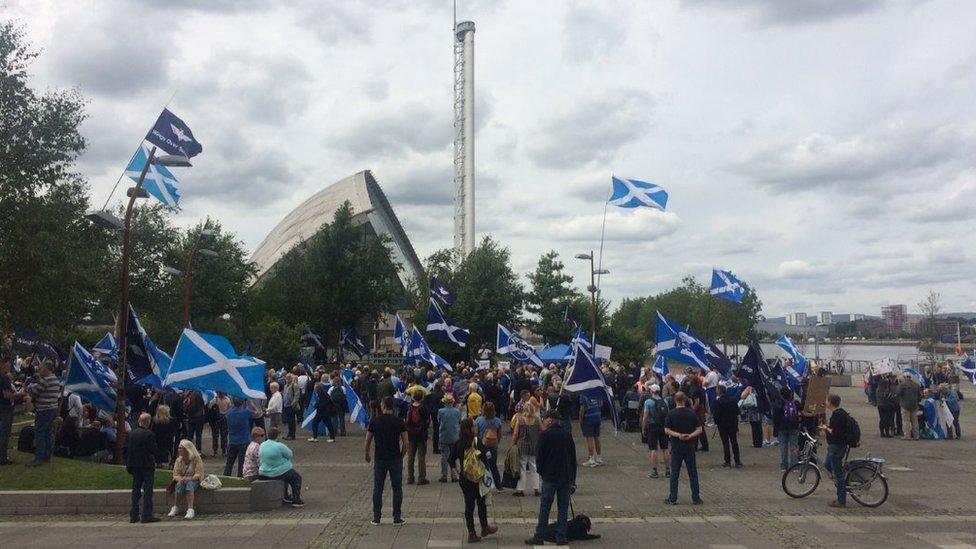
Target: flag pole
[603, 231]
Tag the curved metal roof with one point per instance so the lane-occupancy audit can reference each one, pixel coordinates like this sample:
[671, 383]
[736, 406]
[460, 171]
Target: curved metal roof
[369, 205]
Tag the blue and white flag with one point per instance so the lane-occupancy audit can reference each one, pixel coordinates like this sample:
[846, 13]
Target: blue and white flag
[442, 292]
[918, 376]
[159, 181]
[968, 368]
[357, 412]
[800, 368]
[85, 380]
[401, 335]
[310, 415]
[107, 346]
[173, 136]
[349, 340]
[585, 377]
[420, 351]
[661, 367]
[441, 327]
[146, 364]
[714, 356]
[674, 342]
[726, 286]
[208, 361]
[580, 339]
[631, 193]
[311, 339]
[512, 345]
[303, 360]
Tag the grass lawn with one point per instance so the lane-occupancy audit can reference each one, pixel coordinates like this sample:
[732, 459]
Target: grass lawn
[68, 474]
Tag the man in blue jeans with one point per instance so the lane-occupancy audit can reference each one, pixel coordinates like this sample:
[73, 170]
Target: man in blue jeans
[555, 461]
[45, 393]
[683, 428]
[390, 434]
[837, 447]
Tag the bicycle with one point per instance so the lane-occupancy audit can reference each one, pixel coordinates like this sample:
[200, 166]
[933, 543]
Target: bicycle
[860, 476]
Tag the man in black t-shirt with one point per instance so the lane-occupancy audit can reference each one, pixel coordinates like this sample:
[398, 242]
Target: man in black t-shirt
[683, 427]
[837, 447]
[390, 434]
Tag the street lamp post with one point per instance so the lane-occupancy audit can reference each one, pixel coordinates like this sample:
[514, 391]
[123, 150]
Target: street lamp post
[188, 271]
[101, 219]
[593, 291]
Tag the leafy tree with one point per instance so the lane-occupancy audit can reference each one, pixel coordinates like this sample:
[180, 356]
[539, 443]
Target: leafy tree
[276, 342]
[340, 276]
[49, 254]
[551, 294]
[489, 292]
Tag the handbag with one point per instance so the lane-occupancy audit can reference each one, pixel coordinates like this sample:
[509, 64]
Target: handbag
[210, 482]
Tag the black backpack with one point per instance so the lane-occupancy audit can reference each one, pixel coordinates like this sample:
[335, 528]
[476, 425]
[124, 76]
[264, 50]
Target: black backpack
[661, 409]
[853, 433]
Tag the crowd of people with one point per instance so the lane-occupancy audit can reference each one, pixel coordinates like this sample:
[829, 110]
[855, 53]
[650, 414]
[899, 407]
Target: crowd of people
[462, 416]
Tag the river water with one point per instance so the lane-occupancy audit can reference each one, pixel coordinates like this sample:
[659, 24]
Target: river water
[850, 352]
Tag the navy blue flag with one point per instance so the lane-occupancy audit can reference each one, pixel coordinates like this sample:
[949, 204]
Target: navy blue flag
[442, 292]
[173, 136]
[311, 339]
[570, 318]
[145, 363]
[442, 328]
[675, 342]
[84, 378]
[27, 340]
[585, 377]
[968, 368]
[349, 340]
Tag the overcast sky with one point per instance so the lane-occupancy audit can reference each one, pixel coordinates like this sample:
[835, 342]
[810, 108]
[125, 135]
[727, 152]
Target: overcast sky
[823, 150]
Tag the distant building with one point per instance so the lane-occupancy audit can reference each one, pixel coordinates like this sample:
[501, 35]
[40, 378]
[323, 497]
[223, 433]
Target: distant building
[825, 317]
[854, 317]
[894, 317]
[796, 319]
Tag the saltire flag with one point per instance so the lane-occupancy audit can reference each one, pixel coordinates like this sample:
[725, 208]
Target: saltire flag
[580, 339]
[758, 373]
[512, 345]
[421, 351]
[800, 368]
[401, 335]
[172, 135]
[208, 361]
[107, 346]
[357, 411]
[918, 376]
[677, 343]
[726, 286]
[442, 292]
[968, 368]
[441, 327]
[145, 363]
[570, 318]
[84, 378]
[310, 415]
[349, 339]
[661, 367]
[312, 339]
[159, 182]
[714, 357]
[631, 193]
[585, 377]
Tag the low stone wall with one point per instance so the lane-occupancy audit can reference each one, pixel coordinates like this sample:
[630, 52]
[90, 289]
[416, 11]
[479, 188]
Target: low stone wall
[840, 380]
[78, 502]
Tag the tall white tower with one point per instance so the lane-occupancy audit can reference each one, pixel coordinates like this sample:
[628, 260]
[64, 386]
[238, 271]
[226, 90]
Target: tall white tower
[464, 137]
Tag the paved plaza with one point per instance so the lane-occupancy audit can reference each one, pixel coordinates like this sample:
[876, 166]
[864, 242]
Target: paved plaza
[933, 490]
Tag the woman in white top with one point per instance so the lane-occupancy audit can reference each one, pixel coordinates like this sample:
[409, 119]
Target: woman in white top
[526, 437]
[274, 406]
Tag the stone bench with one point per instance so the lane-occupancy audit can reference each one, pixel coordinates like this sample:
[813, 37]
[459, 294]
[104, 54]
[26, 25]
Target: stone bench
[266, 495]
[84, 502]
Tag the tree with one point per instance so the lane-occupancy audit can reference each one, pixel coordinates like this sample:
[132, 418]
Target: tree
[276, 342]
[49, 254]
[549, 298]
[338, 277]
[489, 292]
[930, 306]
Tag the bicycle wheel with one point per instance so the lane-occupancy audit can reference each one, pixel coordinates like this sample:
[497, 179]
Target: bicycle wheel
[866, 488]
[801, 479]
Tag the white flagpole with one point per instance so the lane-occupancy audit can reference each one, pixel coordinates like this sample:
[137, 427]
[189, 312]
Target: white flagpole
[603, 232]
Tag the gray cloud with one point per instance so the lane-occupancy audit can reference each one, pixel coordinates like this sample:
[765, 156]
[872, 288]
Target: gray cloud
[593, 130]
[590, 33]
[856, 162]
[106, 51]
[239, 170]
[430, 184]
[414, 127]
[796, 12]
